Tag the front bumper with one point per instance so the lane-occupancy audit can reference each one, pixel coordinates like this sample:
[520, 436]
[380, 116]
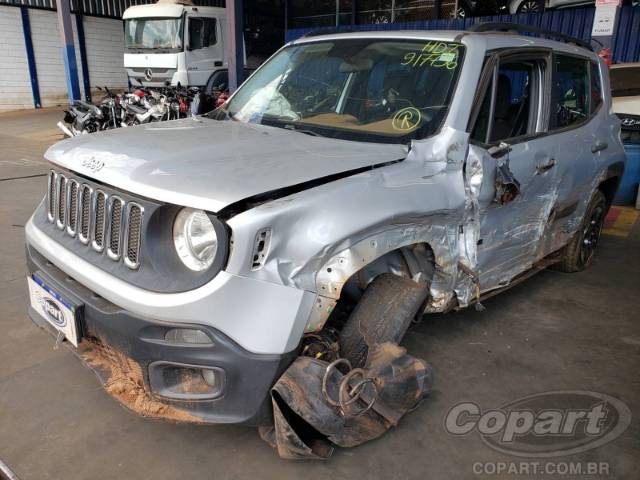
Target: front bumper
[261, 317]
[127, 342]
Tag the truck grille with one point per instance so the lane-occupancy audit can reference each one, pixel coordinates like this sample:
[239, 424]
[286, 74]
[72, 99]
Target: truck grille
[105, 221]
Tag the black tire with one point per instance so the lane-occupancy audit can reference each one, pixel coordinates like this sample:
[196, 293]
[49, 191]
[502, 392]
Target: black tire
[531, 6]
[383, 314]
[578, 254]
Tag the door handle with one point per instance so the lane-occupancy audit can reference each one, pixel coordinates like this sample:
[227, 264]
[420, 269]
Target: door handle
[546, 166]
[598, 147]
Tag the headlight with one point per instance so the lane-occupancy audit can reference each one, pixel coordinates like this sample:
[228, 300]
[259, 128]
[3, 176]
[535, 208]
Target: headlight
[195, 239]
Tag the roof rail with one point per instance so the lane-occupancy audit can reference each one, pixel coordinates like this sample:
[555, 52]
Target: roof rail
[518, 28]
[326, 31]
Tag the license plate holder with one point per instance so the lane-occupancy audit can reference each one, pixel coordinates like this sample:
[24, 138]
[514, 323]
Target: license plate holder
[61, 313]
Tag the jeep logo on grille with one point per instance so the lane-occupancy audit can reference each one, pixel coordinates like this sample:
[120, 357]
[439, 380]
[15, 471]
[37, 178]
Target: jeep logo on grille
[54, 312]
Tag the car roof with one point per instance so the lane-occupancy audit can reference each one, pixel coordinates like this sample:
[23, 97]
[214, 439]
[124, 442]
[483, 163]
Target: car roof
[487, 40]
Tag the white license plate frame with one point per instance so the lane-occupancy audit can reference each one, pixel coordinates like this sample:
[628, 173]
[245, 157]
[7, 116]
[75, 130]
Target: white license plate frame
[61, 313]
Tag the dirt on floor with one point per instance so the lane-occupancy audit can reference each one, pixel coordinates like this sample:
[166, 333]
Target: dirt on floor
[126, 383]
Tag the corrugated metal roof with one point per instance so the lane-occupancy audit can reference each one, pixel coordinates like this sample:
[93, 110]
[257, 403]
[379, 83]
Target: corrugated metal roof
[99, 8]
[576, 22]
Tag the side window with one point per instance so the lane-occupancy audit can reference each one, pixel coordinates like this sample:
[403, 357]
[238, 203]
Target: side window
[570, 92]
[596, 88]
[196, 33]
[514, 113]
[210, 32]
[202, 32]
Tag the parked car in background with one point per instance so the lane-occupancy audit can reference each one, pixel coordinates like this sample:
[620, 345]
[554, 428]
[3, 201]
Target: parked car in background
[536, 6]
[476, 8]
[625, 90]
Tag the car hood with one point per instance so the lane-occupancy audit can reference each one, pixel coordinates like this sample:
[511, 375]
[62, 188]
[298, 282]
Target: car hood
[209, 164]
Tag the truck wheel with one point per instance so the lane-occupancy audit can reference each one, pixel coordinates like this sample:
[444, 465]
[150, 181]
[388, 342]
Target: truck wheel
[383, 314]
[578, 254]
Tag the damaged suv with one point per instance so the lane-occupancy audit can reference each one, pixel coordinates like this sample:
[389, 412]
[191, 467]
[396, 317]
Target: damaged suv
[352, 183]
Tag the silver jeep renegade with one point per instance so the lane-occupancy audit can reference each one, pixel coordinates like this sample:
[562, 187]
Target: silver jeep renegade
[354, 182]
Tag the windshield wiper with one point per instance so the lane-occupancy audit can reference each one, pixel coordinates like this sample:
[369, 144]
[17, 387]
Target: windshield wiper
[306, 131]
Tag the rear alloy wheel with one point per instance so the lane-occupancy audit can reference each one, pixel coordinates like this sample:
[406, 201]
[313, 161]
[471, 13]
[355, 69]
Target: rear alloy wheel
[578, 254]
[531, 6]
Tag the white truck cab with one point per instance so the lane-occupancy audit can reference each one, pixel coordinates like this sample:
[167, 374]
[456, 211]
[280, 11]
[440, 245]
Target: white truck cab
[173, 41]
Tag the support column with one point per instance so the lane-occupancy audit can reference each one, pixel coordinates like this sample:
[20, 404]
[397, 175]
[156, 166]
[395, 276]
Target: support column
[83, 57]
[235, 43]
[31, 59]
[286, 18]
[605, 26]
[68, 50]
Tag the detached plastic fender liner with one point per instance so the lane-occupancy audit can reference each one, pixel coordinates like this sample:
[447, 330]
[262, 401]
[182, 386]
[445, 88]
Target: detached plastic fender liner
[308, 420]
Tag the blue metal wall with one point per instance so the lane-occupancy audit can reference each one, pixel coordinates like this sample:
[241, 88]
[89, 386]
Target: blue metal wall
[576, 22]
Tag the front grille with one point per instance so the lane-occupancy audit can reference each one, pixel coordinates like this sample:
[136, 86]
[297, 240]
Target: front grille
[84, 213]
[100, 217]
[61, 202]
[51, 195]
[72, 207]
[107, 222]
[134, 230]
[115, 227]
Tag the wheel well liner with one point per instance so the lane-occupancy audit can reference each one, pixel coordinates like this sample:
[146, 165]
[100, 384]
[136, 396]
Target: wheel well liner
[609, 187]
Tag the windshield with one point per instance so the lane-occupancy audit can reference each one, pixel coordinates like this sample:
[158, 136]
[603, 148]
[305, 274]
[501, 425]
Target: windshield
[153, 34]
[387, 91]
[625, 81]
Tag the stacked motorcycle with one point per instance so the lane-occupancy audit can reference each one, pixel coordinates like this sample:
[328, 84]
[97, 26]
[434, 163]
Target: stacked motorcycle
[136, 107]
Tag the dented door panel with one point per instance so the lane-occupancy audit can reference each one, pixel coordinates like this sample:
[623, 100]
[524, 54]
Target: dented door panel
[510, 233]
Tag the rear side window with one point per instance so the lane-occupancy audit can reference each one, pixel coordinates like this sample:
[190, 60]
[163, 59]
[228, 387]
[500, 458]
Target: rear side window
[570, 92]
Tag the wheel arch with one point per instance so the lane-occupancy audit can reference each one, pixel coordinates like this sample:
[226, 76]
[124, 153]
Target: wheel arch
[609, 186]
[425, 257]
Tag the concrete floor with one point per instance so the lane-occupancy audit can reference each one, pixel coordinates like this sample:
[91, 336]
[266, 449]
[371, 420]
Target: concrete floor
[553, 332]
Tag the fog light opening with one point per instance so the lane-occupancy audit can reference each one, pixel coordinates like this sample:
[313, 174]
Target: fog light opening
[186, 382]
[187, 336]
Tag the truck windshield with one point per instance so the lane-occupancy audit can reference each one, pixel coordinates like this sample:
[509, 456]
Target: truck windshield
[376, 90]
[153, 34]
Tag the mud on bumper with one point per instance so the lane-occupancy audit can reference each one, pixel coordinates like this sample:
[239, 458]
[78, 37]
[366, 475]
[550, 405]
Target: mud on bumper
[122, 348]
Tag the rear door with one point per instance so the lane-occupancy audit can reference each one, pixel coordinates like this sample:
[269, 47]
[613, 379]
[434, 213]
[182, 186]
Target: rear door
[574, 127]
[519, 179]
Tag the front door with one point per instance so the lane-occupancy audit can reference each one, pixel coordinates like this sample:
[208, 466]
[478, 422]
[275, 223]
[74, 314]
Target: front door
[204, 50]
[520, 180]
